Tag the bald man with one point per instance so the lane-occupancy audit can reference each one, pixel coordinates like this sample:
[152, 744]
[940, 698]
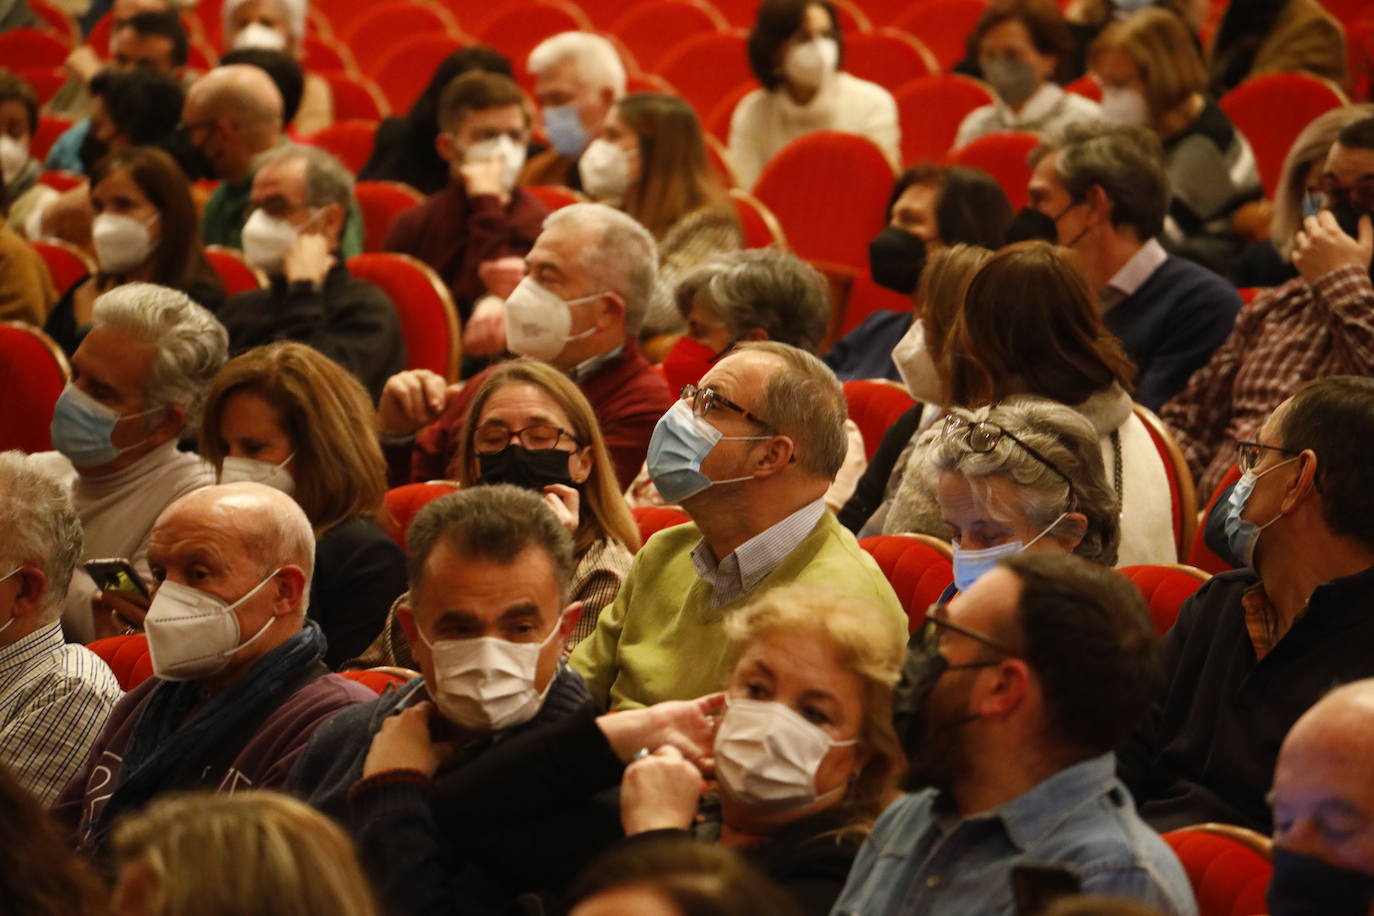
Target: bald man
[1323, 801]
[238, 685]
[232, 114]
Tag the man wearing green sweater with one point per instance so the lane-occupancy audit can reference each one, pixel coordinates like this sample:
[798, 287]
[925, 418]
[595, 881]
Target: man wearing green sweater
[748, 455]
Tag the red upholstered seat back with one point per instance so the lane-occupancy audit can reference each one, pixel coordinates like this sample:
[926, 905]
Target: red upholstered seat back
[374, 679]
[32, 48]
[127, 657]
[1271, 111]
[50, 127]
[237, 275]
[707, 67]
[918, 568]
[404, 71]
[1004, 156]
[758, 223]
[349, 141]
[65, 262]
[943, 26]
[381, 202]
[555, 197]
[378, 27]
[888, 57]
[931, 109]
[429, 319]
[651, 30]
[402, 504]
[356, 98]
[516, 26]
[875, 405]
[1164, 588]
[32, 375]
[1228, 877]
[653, 519]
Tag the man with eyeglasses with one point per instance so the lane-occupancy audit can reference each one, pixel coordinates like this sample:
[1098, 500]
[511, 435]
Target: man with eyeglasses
[1011, 700]
[298, 209]
[1320, 324]
[1256, 647]
[748, 453]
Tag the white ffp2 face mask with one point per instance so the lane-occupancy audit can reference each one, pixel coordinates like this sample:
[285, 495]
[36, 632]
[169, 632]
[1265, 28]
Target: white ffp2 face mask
[767, 754]
[257, 35]
[121, 242]
[236, 469]
[538, 321]
[13, 157]
[267, 239]
[1124, 107]
[486, 683]
[916, 366]
[510, 154]
[605, 171]
[192, 634]
[811, 63]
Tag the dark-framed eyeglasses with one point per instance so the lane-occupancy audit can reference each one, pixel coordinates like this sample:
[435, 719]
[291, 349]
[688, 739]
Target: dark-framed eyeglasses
[494, 437]
[983, 436]
[928, 636]
[703, 399]
[1248, 453]
[1361, 193]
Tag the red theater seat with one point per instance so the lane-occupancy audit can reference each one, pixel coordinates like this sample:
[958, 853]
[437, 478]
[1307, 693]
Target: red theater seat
[707, 67]
[237, 275]
[381, 202]
[653, 519]
[1181, 491]
[33, 372]
[22, 49]
[875, 404]
[1228, 868]
[652, 29]
[349, 141]
[761, 228]
[127, 657]
[1164, 589]
[931, 109]
[888, 57]
[429, 319]
[401, 505]
[1271, 111]
[66, 263]
[1002, 155]
[918, 567]
[943, 26]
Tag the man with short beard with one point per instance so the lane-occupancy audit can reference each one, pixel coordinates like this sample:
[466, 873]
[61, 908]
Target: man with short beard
[1011, 700]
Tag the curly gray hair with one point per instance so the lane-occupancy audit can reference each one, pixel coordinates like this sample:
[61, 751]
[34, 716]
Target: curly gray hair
[41, 527]
[1061, 436]
[761, 288]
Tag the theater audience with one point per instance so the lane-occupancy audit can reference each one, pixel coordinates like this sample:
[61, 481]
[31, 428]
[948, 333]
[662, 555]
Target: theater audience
[1322, 808]
[486, 618]
[197, 854]
[144, 231]
[749, 456]
[279, 25]
[300, 202]
[1259, 37]
[404, 146]
[1024, 50]
[1103, 192]
[649, 159]
[138, 380]
[18, 123]
[1272, 637]
[54, 698]
[591, 274]
[481, 216]
[1012, 698]
[39, 873]
[1268, 262]
[1153, 76]
[238, 686]
[147, 40]
[287, 416]
[1317, 325]
[1053, 345]
[1025, 474]
[795, 53]
[674, 876]
[931, 207]
[804, 756]
[577, 76]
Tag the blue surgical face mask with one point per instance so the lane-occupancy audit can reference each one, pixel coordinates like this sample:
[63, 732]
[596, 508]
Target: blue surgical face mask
[1242, 535]
[1304, 886]
[971, 565]
[565, 130]
[81, 428]
[1311, 204]
[681, 441]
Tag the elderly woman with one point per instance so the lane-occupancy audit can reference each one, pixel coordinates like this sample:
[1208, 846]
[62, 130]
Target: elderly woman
[279, 25]
[1025, 474]
[795, 54]
[1052, 345]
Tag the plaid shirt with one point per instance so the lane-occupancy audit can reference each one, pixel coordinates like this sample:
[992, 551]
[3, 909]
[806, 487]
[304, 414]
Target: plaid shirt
[1287, 336]
[54, 699]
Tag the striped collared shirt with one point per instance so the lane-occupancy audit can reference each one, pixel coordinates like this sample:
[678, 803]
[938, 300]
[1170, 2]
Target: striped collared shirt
[54, 699]
[735, 576]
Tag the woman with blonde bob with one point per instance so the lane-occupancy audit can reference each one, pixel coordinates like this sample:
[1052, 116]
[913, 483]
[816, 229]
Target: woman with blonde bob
[288, 416]
[204, 854]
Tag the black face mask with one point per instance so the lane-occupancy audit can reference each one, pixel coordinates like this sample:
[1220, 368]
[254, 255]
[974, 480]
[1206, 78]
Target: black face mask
[1348, 217]
[927, 750]
[192, 159]
[1303, 886]
[530, 469]
[896, 259]
[1030, 224]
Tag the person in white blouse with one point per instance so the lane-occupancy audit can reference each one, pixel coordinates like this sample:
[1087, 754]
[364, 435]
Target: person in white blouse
[1022, 46]
[795, 53]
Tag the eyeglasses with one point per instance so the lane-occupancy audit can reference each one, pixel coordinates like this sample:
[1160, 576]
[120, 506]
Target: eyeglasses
[1361, 193]
[703, 399]
[927, 638]
[1248, 454]
[494, 437]
[983, 437]
[277, 208]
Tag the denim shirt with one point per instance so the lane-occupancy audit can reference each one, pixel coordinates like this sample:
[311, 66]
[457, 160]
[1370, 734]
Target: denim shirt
[923, 859]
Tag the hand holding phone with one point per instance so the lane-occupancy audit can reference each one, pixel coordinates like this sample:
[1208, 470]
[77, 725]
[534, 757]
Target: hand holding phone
[116, 574]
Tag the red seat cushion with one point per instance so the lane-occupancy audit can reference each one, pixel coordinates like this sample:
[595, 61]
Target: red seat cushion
[650, 30]
[127, 657]
[403, 503]
[381, 202]
[943, 26]
[1164, 589]
[32, 379]
[373, 680]
[931, 109]
[1271, 111]
[234, 271]
[875, 406]
[707, 67]
[22, 49]
[1228, 878]
[1002, 155]
[653, 519]
[889, 57]
[349, 141]
[917, 572]
[429, 319]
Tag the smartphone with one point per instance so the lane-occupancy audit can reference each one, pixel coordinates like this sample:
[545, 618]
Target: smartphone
[116, 575]
[1035, 887]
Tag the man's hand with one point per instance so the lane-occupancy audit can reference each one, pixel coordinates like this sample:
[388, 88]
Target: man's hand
[502, 275]
[485, 332]
[404, 743]
[409, 400]
[689, 726]
[114, 612]
[659, 792]
[565, 503]
[484, 177]
[1321, 246]
[308, 259]
[84, 64]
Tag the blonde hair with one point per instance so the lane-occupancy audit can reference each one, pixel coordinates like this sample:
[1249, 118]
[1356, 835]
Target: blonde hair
[1160, 46]
[605, 512]
[249, 852]
[326, 414]
[870, 645]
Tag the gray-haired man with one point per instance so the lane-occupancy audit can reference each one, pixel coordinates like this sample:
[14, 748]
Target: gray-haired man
[301, 200]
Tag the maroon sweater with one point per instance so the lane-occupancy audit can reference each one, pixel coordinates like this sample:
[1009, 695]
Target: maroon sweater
[627, 395]
[453, 233]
